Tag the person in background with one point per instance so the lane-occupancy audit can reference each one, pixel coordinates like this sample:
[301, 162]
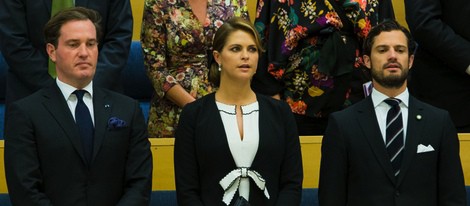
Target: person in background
[441, 73]
[313, 59]
[235, 145]
[23, 46]
[176, 36]
[72, 142]
[390, 149]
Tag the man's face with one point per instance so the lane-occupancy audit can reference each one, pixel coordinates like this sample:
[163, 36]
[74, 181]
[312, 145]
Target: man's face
[76, 54]
[389, 60]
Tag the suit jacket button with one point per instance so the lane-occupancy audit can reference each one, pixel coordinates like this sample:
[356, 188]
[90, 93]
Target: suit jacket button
[397, 193]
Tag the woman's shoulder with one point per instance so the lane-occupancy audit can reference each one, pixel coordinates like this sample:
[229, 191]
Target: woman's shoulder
[201, 102]
[267, 101]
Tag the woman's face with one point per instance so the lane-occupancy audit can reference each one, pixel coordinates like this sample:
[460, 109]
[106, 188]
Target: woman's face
[239, 57]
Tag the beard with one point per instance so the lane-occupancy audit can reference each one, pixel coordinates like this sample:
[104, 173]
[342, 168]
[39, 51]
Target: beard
[392, 81]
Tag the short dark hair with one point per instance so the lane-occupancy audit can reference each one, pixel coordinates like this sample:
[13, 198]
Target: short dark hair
[53, 26]
[220, 39]
[386, 26]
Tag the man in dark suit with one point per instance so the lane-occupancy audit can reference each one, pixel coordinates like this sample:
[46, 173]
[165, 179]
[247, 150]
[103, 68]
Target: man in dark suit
[49, 160]
[22, 43]
[376, 154]
[441, 73]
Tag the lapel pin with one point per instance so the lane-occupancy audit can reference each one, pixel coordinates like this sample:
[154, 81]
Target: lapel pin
[106, 105]
[418, 117]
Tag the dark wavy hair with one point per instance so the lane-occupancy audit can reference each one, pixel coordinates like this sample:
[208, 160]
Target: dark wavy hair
[220, 39]
[53, 26]
[386, 26]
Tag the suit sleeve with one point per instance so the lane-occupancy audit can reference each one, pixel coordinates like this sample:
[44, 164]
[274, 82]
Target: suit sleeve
[138, 179]
[433, 34]
[333, 167]
[22, 166]
[290, 189]
[115, 43]
[28, 63]
[186, 165]
[450, 180]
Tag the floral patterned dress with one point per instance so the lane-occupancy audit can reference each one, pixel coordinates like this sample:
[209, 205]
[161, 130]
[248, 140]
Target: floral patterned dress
[314, 51]
[175, 46]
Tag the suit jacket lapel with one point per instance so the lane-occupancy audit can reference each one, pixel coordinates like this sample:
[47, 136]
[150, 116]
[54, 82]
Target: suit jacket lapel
[102, 106]
[369, 125]
[413, 136]
[212, 116]
[264, 132]
[57, 106]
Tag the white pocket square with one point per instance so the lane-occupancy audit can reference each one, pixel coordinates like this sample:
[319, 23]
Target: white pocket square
[422, 148]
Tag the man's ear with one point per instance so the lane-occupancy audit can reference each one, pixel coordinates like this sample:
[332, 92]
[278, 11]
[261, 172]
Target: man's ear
[51, 51]
[410, 62]
[366, 60]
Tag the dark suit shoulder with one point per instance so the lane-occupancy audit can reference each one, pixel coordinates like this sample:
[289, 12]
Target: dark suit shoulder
[38, 96]
[428, 110]
[113, 94]
[205, 103]
[201, 102]
[366, 105]
[423, 105]
[267, 101]
[361, 106]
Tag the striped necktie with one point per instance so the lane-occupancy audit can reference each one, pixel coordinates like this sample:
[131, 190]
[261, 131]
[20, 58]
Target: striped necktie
[394, 134]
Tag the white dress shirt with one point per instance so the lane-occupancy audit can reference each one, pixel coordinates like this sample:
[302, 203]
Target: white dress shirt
[72, 100]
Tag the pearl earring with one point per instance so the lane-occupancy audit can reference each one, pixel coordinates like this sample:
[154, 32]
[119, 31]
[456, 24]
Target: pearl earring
[220, 67]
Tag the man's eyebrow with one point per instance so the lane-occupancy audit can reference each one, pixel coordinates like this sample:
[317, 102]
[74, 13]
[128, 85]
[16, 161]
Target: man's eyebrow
[382, 46]
[401, 46]
[77, 40]
[386, 45]
[71, 40]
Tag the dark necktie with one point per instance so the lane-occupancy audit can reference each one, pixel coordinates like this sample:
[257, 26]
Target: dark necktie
[85, 124]
[394, 134]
